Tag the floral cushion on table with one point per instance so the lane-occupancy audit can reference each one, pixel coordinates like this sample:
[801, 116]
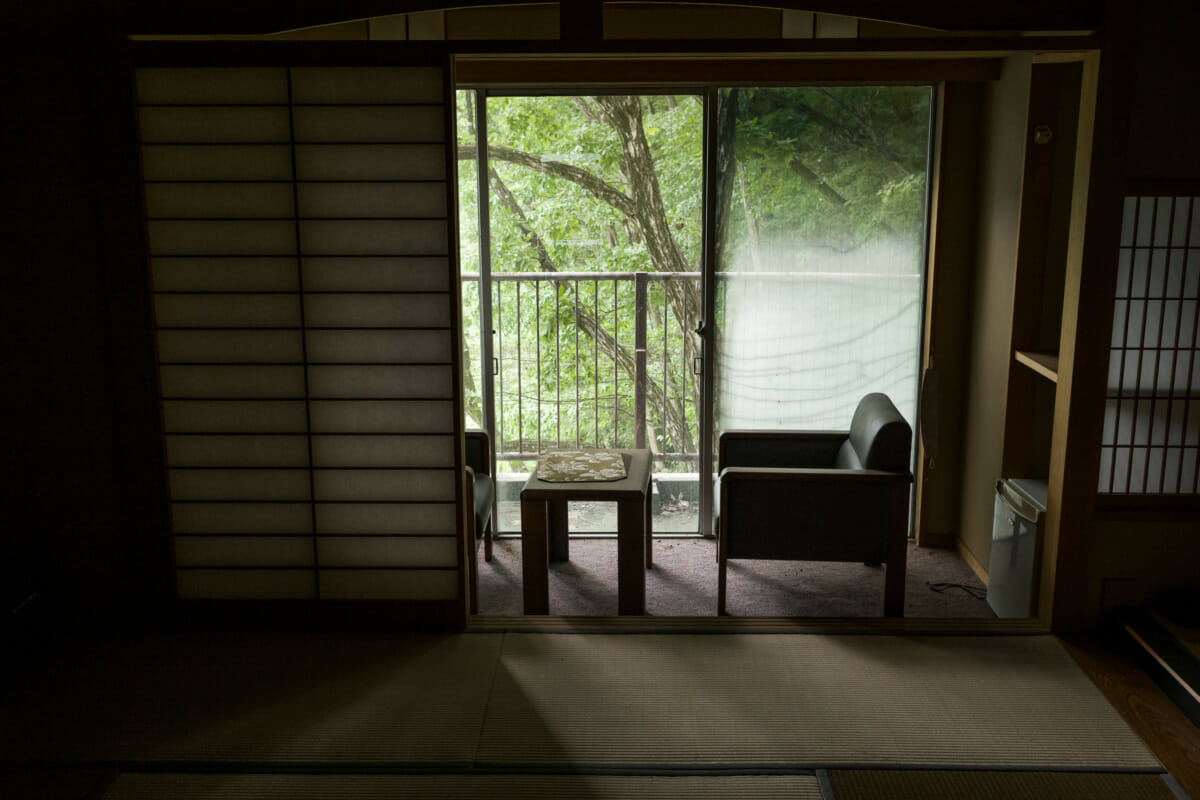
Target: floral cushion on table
[570, 466]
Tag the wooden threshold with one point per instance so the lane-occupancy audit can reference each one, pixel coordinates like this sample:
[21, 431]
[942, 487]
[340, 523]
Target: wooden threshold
[728, 625]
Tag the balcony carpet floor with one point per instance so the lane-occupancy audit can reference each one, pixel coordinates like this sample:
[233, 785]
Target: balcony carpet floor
[683, 582]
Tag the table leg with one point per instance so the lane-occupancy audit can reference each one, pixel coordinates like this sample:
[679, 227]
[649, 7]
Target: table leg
[535, 561]
[649, 523]
[560, 545]
[631, 557]
[897, 556]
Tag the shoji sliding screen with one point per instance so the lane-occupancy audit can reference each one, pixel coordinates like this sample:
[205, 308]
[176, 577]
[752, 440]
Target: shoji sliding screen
[1151, 438]
[304, 297]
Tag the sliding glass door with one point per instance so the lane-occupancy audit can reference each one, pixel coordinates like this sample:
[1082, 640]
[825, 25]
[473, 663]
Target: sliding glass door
[587, 285]
[820, 241]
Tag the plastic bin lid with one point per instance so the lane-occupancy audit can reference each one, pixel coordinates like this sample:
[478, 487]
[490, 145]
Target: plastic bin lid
[1032, 489]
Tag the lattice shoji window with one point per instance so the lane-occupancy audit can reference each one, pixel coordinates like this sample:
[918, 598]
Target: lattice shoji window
[1151, 440]
[299, 244]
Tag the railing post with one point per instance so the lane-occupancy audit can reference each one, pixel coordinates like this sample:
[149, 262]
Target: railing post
[641, 280]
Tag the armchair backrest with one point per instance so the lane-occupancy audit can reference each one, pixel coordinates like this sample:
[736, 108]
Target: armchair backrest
[880, 438]
[478, 451]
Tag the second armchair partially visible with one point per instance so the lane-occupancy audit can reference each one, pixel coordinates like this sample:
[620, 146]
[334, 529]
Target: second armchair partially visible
[818, 496]
[481, 491]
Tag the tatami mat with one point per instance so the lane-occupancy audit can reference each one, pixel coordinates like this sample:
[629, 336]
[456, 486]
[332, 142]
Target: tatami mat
[653, 704]
[484, 787]
[804, 701]
[260, 698]
[906, 785]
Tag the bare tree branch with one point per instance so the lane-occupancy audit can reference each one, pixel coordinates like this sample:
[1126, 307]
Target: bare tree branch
[589, 182]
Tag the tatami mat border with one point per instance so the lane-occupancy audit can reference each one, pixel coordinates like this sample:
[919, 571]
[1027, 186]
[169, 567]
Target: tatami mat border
[403, 768]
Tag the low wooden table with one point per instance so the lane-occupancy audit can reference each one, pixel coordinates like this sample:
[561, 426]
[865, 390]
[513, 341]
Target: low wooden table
[544, 531]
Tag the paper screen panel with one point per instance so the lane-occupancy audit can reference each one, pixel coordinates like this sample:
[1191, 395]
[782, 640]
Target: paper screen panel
[367, 274]
[253, 485]
[304, 329]
[377, 310]
[233, 381]
[247, 584]
[384, 584]
[221, 201]
[244, 551]
[367, 85]
[224, 274]
[1151, 437]
[382, 416]
[367, 200]
[381, 347]
[370, 162]
[376, 485]
[182, 310]
[206, 124]
[374, 237]
[412, 519]
[242, 162]
[387, 551]
[383, 451]
[254, 346]
[270, 450]
[212, 85]
[370, 382]
[242, 518]
[234, 416]
[411, 124]
[214, 237]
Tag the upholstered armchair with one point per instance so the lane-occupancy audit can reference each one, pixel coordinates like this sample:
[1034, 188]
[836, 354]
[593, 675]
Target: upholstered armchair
[818, 496]
[481, 490]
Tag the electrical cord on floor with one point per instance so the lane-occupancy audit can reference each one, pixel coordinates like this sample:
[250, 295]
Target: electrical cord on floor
[978, 592]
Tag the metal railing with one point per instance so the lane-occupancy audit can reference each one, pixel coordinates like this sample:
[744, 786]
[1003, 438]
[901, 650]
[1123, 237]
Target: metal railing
[620, 379]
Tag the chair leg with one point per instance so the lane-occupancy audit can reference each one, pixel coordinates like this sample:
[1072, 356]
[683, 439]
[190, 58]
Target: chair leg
[473, 573]
[721, 564]
[649, 523]
[487, 541]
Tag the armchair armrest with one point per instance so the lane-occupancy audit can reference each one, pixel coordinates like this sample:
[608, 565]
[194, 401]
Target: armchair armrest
[759, 448]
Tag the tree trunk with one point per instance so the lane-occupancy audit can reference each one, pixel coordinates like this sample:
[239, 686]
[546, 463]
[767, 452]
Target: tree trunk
[624, 115]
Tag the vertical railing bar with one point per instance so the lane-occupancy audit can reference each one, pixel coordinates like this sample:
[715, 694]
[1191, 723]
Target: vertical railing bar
[1137, 390]
[557, 367]
[616, 371]
[666, 389]
[576, 307]
[1112, 471]
[596, 360]
[1162, 474]
[520, 379]
[537, 343]
[499, 371]
[640, 283]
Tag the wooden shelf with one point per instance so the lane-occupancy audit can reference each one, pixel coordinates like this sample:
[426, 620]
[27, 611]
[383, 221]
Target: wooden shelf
[1044, 364]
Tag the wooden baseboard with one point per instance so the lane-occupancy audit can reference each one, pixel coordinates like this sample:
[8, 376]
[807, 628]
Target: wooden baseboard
[974, 564]
[946, 539]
